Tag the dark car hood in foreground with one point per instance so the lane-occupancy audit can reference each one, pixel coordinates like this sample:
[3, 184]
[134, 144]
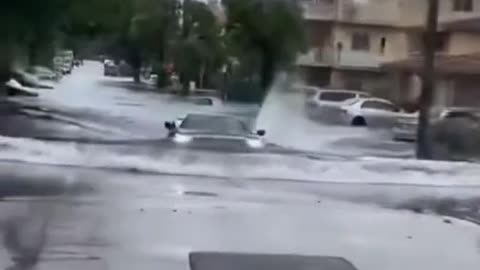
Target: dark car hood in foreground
[119, 221]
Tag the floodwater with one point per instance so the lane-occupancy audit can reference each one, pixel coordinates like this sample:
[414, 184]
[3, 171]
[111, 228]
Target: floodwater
[87, 181]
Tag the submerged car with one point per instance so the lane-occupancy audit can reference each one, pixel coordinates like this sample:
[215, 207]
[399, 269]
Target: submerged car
[110, 68]
[204, 130]
[325, 104]
[371, 112]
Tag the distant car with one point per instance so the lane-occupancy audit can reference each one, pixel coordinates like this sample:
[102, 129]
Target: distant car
[371, 112]
[205, 130]
[206, 101]
[110, 68]
[66, 67]
[77, 62]
[325, 104]
[405, 128]
[67, 57]
[124, 69]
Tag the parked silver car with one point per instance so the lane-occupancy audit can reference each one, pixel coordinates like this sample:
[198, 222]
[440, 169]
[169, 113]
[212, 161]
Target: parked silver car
[405, 128]
[325, 104]
[371, 112]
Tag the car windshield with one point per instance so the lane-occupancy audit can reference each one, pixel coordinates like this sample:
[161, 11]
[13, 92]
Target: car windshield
[336, 96]
[215, 124]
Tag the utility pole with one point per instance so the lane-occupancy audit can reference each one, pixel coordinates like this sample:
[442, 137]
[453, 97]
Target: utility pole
[424, 140]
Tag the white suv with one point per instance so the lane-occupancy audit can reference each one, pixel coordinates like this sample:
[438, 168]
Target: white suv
[326, 104]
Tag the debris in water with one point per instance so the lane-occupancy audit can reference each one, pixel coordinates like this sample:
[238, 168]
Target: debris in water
[447, 221]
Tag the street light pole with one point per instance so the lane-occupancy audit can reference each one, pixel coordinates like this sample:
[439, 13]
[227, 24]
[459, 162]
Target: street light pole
[424, 142]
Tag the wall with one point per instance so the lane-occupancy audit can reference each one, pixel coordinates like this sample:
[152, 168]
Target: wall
[414, 12]
[396, 46]
[371, 11]
[375, 83]
[463, 43]
[318, 33]
[446, 12]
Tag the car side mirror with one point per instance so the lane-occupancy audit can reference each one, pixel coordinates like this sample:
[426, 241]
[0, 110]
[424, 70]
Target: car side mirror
[170, 125]
[261, 132]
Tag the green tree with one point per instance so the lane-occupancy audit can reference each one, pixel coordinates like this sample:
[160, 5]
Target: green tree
[153, 26]
[264, 35]
[199, 51]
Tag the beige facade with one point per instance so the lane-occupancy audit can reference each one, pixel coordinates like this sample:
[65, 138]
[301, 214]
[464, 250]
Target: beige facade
[463, 43]
[359, 36]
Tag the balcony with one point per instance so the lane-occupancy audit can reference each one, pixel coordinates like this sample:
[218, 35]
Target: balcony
[318, 10]
[373, 12]
[315, 57]
[358, 59]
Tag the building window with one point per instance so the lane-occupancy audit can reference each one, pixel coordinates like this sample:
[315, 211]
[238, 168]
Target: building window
[360, 42]
[383, 44]
[462, 5]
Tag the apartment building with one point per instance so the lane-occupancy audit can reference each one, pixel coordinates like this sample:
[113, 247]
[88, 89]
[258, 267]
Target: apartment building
[352, 40]
[457, 64]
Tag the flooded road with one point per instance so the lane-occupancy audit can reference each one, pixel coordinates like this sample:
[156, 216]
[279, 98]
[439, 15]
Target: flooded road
[86, 182]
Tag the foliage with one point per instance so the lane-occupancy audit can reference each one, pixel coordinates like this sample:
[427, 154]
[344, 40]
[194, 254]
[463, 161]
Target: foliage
[262, 35]
[198, 47]
[270, 31]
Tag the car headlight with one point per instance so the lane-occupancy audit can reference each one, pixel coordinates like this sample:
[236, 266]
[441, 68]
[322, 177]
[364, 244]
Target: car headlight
[179, 138]
[253, 143]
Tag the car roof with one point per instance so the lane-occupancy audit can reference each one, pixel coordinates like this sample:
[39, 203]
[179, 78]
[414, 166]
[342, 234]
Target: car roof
[374, 99]
[211, 115]
[343, 91]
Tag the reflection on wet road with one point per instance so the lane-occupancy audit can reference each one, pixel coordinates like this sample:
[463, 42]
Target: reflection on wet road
[87, 182]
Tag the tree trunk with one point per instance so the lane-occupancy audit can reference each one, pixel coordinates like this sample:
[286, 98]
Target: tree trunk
[201, 76]
[424, 143]
[136, 65]
[33, 53]
[266, 72]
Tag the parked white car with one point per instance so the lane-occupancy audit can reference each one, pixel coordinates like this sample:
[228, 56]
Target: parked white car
[371, 112]
[326, 104]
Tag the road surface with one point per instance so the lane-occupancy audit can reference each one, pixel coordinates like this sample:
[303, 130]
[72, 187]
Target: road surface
[86, 183]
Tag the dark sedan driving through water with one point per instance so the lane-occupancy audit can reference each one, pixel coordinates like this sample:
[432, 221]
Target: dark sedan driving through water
[214, 131]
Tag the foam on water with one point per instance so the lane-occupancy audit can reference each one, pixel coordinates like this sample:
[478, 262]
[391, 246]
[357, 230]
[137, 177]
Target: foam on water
[283, 115]
[257, 166]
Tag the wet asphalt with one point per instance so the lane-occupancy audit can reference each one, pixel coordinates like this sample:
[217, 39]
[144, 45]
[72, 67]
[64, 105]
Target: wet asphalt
[88, 182]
